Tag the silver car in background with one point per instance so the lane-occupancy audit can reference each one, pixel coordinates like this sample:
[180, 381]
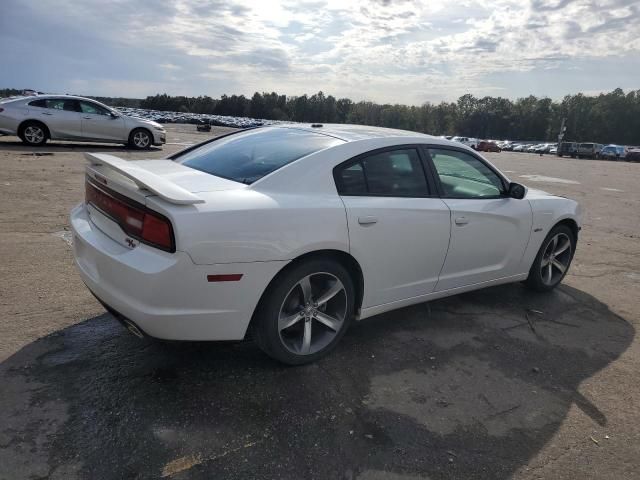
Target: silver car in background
[36, 119]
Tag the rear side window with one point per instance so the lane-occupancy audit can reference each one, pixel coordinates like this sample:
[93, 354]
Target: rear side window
[63, 104]
[248, 156]
[394, 173]
[42, 103]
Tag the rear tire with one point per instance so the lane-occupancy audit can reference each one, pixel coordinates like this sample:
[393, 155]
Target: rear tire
[34, 134]
[305, 312]
[553, 260]
[140, 139]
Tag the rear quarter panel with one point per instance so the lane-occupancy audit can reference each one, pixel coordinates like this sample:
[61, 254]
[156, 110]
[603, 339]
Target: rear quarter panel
[13, 115]
[248, 226]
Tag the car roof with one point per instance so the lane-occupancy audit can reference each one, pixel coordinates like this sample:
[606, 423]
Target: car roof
[351, 133]
[48, 96]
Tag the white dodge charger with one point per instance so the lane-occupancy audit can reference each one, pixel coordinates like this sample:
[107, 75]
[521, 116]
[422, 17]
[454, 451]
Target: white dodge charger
[291, 232]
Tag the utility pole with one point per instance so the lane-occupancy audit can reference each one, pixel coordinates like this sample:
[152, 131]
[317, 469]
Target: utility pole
[563, 129]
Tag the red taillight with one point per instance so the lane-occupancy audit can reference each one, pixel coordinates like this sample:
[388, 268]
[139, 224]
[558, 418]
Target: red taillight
[135, 220]
[156, 230]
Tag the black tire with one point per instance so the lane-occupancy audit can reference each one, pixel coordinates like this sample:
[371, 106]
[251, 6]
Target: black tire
[535, 280]
[33, 133]
[137, 135]
[265, 324]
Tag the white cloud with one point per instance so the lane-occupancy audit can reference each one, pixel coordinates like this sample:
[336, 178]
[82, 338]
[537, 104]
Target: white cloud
[383, 50]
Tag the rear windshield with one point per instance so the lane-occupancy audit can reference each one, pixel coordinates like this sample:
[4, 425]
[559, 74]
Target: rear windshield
[248, 156]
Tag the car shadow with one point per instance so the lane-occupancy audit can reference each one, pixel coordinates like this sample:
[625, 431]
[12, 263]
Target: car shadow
[471, 386]
[59, 146]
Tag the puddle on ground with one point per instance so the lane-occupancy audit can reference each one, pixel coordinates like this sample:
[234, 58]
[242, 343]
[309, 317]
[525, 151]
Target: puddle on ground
[473, 392]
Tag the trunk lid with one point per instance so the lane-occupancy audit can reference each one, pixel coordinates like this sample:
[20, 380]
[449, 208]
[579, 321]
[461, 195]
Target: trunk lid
[166, 179]
[119, 193]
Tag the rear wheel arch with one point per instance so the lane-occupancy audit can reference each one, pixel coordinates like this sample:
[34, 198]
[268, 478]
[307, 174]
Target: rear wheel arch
[25, 123]
[343, 258]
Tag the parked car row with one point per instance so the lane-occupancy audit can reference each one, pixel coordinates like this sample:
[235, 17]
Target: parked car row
[468, 141]
[564, 149]
[539, 148]
[597, 151]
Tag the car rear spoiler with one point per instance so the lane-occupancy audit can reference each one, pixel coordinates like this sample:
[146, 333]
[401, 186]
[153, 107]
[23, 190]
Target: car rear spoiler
[145, 179]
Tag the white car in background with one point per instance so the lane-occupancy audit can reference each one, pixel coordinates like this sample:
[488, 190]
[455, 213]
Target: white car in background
[468, 141]
[36, 119]
[293, 231]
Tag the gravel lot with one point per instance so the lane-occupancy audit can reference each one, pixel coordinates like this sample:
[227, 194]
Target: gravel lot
[495, 384]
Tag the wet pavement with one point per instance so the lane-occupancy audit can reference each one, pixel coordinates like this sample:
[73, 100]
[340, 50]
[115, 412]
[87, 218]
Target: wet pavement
[467, 387]
[496, 384]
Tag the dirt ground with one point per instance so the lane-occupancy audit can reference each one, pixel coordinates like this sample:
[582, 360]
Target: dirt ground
[495, 384]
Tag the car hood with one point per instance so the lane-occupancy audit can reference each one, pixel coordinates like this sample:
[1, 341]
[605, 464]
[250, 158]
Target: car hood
[142, 121]
[534, 193]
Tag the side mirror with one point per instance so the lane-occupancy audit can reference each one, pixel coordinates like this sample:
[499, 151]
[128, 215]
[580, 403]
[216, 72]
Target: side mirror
[114, 115]
[517, 191]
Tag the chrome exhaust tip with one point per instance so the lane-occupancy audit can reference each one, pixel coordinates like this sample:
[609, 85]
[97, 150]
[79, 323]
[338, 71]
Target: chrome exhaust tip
[133, 329]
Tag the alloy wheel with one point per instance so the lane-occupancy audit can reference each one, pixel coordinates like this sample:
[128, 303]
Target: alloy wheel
[141, 139]
[34, 134]
[312, 314]
[555, 259]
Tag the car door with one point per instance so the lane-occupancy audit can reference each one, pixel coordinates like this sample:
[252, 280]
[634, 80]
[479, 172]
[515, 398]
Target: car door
[99, 124]
[489, 230]
[62, 117]
[398, 227]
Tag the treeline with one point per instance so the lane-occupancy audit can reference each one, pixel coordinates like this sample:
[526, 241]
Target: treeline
[117, 101]
[607, 118]
[612, 117]
[9, 92]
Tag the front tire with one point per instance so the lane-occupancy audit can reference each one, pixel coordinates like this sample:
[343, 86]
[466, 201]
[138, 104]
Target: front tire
[140, 139]
[34, 134]
[305, 312]
[553, 260]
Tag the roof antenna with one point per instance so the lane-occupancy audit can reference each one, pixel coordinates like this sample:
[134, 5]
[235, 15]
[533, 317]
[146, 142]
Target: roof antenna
[316, 125]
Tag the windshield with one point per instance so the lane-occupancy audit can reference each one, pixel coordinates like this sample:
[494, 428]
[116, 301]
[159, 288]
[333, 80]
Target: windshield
[248, 156]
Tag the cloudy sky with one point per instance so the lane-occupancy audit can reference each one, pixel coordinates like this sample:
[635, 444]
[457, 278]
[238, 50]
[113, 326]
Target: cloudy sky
[382, 50]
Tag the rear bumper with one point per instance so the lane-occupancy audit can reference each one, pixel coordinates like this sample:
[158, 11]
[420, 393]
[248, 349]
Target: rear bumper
[8, 124]
[166, 295]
